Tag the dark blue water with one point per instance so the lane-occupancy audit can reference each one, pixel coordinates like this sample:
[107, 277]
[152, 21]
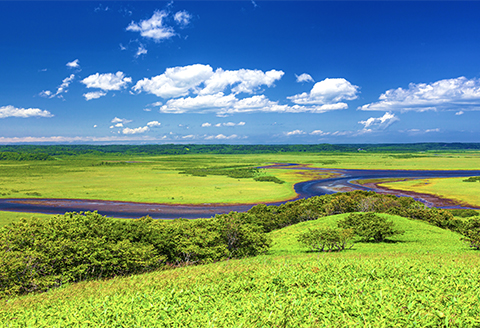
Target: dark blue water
[168, 211]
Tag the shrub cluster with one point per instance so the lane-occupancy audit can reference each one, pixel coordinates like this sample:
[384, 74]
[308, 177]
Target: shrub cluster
[370, 226]
[472, 179]
[326, 239]
[38, 254]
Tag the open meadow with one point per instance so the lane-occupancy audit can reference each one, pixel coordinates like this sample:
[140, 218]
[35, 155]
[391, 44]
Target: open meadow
[426, 277]
[238, 269]
[458, 189]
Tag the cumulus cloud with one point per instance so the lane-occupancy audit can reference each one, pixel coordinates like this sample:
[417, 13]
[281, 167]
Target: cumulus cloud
[294, 132]
[245, 80]
[154, 27]
[206, 125]
[176, 81]
[182, 18]
[183, 80]
[459, 113]
[94, 95]
[136, 130]
[304, 78]
[11, 111]
[328, 91]
[319, 133]
[221, 137]
[380, 123]
[153, 124]
[458, 94]
[221, 104]
[74, 64]
[107, 82]
[120, 120]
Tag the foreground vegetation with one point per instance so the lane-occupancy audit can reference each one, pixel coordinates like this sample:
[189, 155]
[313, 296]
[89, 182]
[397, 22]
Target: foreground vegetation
[424, 275]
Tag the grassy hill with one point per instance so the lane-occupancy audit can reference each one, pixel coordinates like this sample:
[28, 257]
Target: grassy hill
[426, 277]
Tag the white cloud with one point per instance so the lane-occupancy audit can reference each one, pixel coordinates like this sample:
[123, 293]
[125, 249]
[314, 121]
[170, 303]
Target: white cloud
[449, 94]
[176, 81]
[459, 113]
[221, 104]
[107, 82]
[221, 137]
[294, 132]
[248, 80]
[432, 130]
[328, 91]
[136, 130]
[62, 88]
[118, 125]
[95, 126]
[120, 120]
[141, 51]
[181, 81]
[182, 18]
[154, 124]
[94, 95]
[189, 136]
[154, 27]
[74, 64]
[46, 93]
[10, 111]
[304, 78]
[319, 133]
[206, 125]
[380, 123]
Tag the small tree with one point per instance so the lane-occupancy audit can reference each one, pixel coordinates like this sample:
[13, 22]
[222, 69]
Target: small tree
[370, 225]
[326, 239]
[471, 232]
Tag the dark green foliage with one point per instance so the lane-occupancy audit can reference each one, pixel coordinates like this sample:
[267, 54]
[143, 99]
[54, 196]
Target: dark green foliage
[370, 226]
[326, 239]
[236, 173]
[471, 232]
[176, 149]
[472, 179]
[269, 179]
[13, 156]
[38, 254]
[464, 212]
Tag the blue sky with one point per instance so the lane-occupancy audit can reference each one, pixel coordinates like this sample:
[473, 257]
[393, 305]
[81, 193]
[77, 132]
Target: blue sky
[239, 72]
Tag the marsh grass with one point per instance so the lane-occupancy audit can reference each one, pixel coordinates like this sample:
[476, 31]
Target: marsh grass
[426, 278]
[451, 188]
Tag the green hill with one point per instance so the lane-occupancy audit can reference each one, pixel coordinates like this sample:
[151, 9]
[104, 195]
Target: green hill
[426, 277]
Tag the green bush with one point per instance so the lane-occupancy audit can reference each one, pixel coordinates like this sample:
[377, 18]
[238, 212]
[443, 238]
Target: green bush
[38, 254]
[370, 226]
[471, 232]
[269, 179]
[326, 239]
[464, 212]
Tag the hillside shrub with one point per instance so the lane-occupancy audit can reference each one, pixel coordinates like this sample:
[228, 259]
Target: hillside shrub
[471, 232]
[370, 226]
[38, 254]
[326, 239]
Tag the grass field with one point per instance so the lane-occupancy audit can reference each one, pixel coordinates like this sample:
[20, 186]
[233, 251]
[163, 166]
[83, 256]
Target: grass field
[451, 188]
[157, 179]
[424, 278]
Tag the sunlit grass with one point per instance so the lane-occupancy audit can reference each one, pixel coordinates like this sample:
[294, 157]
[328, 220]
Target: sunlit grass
[427, 278]
[451, 188]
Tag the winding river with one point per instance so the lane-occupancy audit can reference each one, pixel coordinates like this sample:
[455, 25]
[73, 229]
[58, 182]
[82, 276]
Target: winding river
[343, 181]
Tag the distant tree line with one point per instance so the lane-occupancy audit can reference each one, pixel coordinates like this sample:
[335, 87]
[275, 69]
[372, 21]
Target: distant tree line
[23, 156]
[178, 149]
